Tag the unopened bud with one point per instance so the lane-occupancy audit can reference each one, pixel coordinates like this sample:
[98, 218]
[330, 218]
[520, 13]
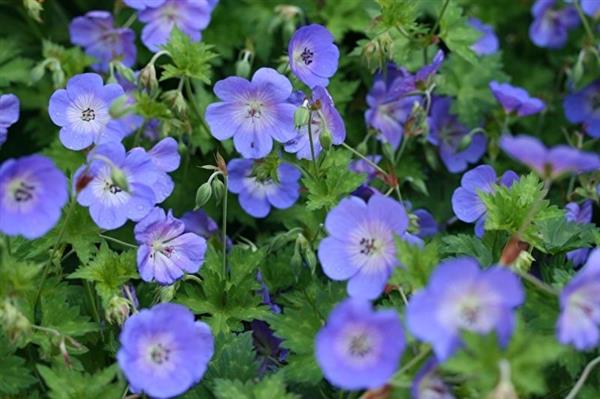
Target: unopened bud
[465, 142]
[175, 99]
[148, 77]
[119, 107]
[221, 164]
[512, 250]
[167, 293]
[118, 310]
[325, 138]
[203, 195]
[218, 189]
[301, 117]
[119, 179]
[244, 64]
[505, 388]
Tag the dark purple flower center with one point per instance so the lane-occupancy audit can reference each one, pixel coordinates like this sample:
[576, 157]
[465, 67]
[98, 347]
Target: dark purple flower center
[88, 115]
[23, 192]
[368, 246]
[307, 56]
[159, 354]
[112, 188]
[360, 345]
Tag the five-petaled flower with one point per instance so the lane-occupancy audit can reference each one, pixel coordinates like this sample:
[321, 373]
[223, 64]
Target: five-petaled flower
[515, 99]
[461, 296]
[164, 351]
[32, 193]
[166, 251]
[313, 55]
[253, 112]
[81, 110]
[360, 246]
[359, 348]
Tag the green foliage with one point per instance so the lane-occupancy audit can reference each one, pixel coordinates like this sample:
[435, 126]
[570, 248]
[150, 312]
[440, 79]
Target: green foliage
[109, 271]
[304, 313]
[558, 235]
[527, 354]
[464, 244]
[272, 386]
[418, 264]
[334, 181]
[190, 59]
[13, 67]
[15, 375]
[515, 209]
[457, 34]
[227, 300]
[66, 383]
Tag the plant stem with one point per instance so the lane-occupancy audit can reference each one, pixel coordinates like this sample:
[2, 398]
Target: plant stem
[367, 160]
[312, 145]
[92, 299]
[586, 24]
[586, 372]
[224, 224]
[414, 361]
[7, 244]
[126, 244]
[130, 21]
[439, 19]
[539, 284]
[61, 234]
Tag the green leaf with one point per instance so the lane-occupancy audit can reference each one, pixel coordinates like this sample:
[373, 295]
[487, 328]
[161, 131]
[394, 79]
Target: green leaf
[559, 235]
[272, 386]
[418, 264]
[13, 68]
[66, 383]
[520, 209]
[463, 244]
[457, 33]
[304, 312]
[334, 182]
[109, 271]
[190, 59]
[15, 376]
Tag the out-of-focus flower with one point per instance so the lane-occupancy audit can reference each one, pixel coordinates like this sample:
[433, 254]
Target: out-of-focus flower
[515, 99]
[81, 110]
[581, 214]
[580, 307]
[456, 146]
[466, 203]
[33, 192]
[257, 194]
[313, 55]
[325, 119]
[548, 162]
[461, 296]
[95, 32]
[583, 106]
[359, 348]
[166, 251]
[550, 27]
[143, 4]
[488, 41]
[9, 114]
[189, 16]
[253, 112]
[428, 384]
[164, 352]
[360, 246]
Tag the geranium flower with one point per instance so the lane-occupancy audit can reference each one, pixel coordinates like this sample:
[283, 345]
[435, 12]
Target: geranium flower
[488, 41]
[548, 162]
[313, 55]
[9, 114]
[550, 27]
[466, 203]
[253, 112]
[189, 16]
[113, 202]
[32, 193]
[461, 296]
[166, 251]
[580, 307]
[82, 112]
[325, 118]
[164, 352]
[360, 246]
[427, 384]
[582, 107]
[165, 156]
[257, 194]
[581, 214]
[143, 4]
[359, 348]
[457, 149]
[515, 99]
[95, 32]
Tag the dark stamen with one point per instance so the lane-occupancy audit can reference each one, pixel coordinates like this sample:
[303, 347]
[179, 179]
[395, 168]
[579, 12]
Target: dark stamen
[307, 56]
[88, 115]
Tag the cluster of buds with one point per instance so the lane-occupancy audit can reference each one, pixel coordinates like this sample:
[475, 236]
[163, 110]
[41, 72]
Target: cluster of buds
[15, 325]
[214, 187]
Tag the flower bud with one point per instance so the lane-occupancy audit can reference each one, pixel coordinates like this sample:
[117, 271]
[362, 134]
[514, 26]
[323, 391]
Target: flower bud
[175, 99]
[325, 138]
[15, 325]
[203, 195]
[505, 388]
[119, 179]
[218, 189]
[167, 293]
[119, 107]
[465, 142]
[301, 117]
[118, 310]
[148, 77]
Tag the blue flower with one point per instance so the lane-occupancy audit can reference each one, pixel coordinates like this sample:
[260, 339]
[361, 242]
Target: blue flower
[487, 42]
[582, 107]
[581, 214]
[515, 99]
[550, 27]
[9, 114]
[313, 55]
